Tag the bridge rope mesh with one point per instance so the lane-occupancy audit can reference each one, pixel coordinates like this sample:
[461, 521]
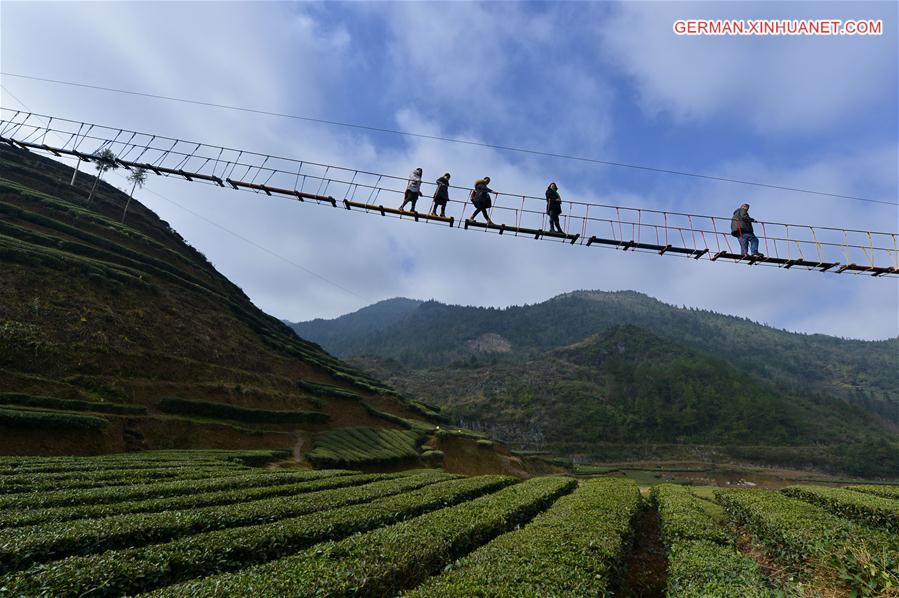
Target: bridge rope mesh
[631, 228]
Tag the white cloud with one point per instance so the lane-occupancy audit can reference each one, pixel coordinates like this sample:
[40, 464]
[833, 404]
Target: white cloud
[779, 85]
[285, 58]
[498, 66]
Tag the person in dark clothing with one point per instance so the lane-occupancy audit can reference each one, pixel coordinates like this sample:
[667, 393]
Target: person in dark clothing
[480, 197]
[554, 208]
[441, 195]
[741, 227]
[413, 189]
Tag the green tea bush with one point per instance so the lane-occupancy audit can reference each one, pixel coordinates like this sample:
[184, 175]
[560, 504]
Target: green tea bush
[701, 558]
[683, 517]
[12, 398]
[698, 568]
[422, 429]
[574, 548]
[225, 411]
[42, 482]
[239, 479]
[433, 457]
[141, 460]
[388, 559]
[867, 509]
[885, 491]
[141, 569]
[801, 536]
[12, 518]
[16, 418]
[460, 433]
[21, 546]
[354, 446]
[327, 390]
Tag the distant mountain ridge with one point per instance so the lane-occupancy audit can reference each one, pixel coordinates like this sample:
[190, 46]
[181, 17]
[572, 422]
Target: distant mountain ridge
[369, 320]
[431, 334]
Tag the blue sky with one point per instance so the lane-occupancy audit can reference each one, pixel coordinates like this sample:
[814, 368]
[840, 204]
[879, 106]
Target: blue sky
[605, 80]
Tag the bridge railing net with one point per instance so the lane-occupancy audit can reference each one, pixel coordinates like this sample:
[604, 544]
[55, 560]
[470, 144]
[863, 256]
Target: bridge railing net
[609, 225]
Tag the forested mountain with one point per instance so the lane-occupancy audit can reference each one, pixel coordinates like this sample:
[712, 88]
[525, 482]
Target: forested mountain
[626, 387]
[368, 322]
[431, 334]
[597, 373]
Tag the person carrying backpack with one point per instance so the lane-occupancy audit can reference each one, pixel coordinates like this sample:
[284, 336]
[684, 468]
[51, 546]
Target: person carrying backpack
[413, 189]
[480, 197]
[741, 227]
[441, 195]
[554, 208]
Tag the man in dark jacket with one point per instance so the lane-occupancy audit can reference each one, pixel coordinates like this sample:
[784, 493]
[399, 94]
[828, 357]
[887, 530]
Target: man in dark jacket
[741, 228]
[554, 208]
[441, 195]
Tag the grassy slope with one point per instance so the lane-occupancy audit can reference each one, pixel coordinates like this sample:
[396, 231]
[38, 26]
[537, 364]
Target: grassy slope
[94, 310]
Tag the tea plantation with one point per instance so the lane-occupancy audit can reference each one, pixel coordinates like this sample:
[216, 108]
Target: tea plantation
[215, 523]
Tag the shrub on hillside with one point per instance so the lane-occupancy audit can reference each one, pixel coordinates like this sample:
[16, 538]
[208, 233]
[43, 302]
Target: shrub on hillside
[55, 419]
[225, 411]
[14, 398]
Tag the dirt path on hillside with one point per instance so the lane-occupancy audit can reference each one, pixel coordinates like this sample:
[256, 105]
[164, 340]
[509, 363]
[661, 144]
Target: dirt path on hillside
[298, 449]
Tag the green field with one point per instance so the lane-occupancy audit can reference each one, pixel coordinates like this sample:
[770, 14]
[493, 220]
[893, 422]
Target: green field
[204, 523]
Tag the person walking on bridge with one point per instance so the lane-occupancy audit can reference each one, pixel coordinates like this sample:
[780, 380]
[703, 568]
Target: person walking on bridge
[554, 208]
[741, 228]
[480, 197]
[413, 189]
[441, 195]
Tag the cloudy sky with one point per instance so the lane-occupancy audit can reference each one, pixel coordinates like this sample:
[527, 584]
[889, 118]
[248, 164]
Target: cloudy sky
[602, 80]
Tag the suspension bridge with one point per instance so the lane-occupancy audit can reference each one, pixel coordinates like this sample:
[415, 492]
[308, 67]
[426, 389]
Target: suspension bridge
[625, 228]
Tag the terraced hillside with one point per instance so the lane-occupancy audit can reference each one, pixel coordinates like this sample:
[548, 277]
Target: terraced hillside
[209, 523]
[119, 337]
